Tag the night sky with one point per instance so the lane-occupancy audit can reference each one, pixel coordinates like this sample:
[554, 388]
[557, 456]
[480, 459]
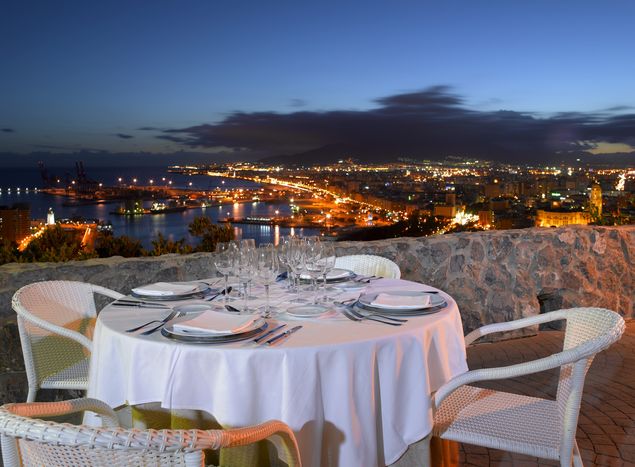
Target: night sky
[501, 80]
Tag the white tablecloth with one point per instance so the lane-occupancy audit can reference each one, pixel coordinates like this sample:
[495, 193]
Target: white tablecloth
[354, 393]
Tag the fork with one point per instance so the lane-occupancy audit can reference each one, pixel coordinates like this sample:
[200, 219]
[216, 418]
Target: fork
[350, 303]
[162, 321]
[353, 316]
[356, 313]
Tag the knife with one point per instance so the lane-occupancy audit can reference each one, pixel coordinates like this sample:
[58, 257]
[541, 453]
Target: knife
[268, 333]
[284, 334]
[139, 304]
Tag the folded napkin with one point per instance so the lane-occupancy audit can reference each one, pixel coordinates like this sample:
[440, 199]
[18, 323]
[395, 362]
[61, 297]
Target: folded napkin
[394, 300]
[212, 322]
[164, 289]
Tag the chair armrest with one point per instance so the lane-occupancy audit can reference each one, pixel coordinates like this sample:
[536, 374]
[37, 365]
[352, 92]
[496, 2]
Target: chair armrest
[62, 331]
[107, 292]
[243, 436]
[517, 324]
[53, 409]
[511, 371]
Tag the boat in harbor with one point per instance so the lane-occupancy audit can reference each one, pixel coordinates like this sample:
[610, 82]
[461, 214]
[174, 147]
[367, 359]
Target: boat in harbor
[162, 208]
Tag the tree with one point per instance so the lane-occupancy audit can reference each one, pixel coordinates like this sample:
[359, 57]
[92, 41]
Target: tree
[8, 252]
[55, 244]
[163, 246]
[107, 245]
[209, 233]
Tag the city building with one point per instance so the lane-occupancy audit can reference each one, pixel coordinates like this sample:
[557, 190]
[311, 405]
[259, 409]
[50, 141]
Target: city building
[559, 218]
[15, 222]
[595, 201]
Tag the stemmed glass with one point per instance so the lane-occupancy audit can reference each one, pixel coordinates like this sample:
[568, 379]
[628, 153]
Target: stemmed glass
[284, 251]
[244, 266]
[268, 268]
[314, 266]
[224, 262]
[328, 260]
[248, 244]
[295, 258]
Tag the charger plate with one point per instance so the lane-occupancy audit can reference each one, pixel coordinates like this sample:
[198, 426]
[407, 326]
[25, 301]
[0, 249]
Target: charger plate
[202, 338]
[200, 290]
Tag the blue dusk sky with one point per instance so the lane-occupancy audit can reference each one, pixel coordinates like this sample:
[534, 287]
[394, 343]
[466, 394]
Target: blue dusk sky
[250, 79]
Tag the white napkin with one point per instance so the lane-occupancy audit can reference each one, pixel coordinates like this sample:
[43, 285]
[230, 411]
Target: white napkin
[164, 289]
[213, 322]
[393, 300]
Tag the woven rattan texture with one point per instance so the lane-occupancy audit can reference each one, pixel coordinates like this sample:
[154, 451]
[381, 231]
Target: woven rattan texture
[369, 265]
[56, 321]
[61, 444]
[517, 423]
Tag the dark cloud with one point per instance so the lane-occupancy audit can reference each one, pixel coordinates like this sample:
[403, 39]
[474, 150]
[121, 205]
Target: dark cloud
[620, 108]
[70, 148]
[7, 130]
[149, 128]
[123, 136]
[432, 123]
[298, 103]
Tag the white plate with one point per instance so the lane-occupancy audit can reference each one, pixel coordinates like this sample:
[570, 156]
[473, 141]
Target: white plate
[307, 311]
[367, 300]
[335, 274]
[182, 332]
[349, 285]
[197, 288]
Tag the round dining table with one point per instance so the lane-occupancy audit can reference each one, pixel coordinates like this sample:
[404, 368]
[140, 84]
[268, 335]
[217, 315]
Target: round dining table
[355, 393]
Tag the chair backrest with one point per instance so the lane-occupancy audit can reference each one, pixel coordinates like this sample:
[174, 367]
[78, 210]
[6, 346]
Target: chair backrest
[54, 444]
[369, 265]
[67, 304]
[588, 332]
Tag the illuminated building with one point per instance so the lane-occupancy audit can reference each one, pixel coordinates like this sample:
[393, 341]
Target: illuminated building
[595, 201]
[449, 211]
[15, 222]
[560, 218]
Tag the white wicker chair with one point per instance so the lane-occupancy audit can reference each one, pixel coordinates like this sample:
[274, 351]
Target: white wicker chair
[55, 321]
[27, 440]
[522, 424]
[369, 265]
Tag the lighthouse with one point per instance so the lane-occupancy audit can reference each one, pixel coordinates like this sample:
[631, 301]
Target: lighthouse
[50, 217]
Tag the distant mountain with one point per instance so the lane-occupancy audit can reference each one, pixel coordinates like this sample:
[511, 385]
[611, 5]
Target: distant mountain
[332, 153]
[618, 159]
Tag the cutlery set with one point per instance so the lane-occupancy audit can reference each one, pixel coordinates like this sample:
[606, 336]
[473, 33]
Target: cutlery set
[280, 336]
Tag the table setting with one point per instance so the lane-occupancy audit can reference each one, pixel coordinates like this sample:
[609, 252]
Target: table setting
[340, 357]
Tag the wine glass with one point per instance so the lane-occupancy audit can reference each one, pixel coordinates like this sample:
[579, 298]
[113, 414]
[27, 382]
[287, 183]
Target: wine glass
[295, 258]
[244, 266]
[224, 262]
[248, 243]
[328, 259]
[268, 268]
[314, 266]
[284, 251]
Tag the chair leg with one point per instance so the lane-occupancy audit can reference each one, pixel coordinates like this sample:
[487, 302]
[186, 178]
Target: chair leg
[577, 459]
[32, 394]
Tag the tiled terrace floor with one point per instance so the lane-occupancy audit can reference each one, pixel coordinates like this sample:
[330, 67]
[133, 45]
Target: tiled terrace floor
[606, 428]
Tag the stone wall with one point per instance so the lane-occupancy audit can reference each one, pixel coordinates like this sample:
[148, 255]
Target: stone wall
[494, 276]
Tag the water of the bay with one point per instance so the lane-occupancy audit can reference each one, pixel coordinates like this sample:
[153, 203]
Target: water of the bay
[145, 228]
